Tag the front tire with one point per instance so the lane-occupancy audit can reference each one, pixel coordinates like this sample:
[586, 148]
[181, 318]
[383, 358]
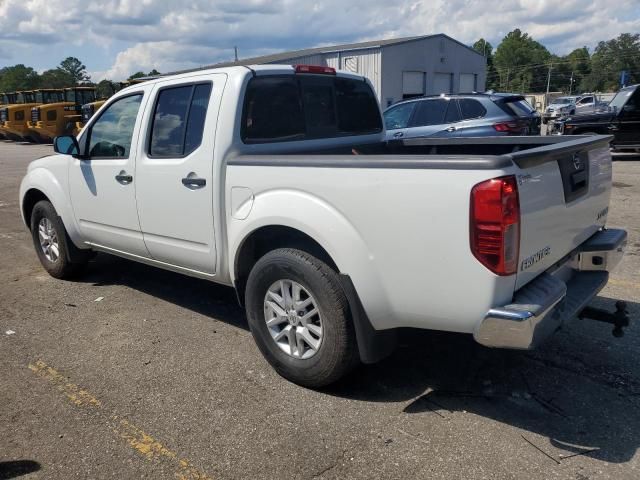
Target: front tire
[300, 319]
[57, 254]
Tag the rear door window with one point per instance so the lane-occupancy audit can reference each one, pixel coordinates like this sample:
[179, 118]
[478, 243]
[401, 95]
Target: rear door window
[471, 108]
[357, 107]
[178, 120]
[430, 112]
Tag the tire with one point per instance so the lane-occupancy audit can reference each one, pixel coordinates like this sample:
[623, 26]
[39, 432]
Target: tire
[62, 259]
[337, 353]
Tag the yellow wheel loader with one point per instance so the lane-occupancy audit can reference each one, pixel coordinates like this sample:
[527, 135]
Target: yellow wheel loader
[14, 115]
[51, 120]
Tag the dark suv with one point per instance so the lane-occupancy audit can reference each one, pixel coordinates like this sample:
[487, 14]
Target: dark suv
[462, 115]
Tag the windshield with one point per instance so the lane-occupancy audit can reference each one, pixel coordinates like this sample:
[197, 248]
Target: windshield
[563, 101]
[621, 98]
[48, 97]
[20, 97]
[29, 97]
[79, 97]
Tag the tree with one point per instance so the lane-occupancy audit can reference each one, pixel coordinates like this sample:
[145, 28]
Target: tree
[76, 69]
[18, 77]
[521, 63]
[105, 88]
[137, 75]
[612, 57]
[579, 62]
[485, 48]
[56, 78]
[154, 73]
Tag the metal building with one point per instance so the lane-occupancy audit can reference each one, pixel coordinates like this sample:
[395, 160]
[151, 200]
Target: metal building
[398, 68]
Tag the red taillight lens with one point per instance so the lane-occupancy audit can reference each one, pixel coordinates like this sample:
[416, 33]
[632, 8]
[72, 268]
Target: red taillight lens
[495, 224]
[314, 69]
[510, 127]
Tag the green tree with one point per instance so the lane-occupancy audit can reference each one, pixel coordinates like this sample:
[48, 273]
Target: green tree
[18, 77]
[137, 75]
[486, 49]
[56, 78]
[105, 88]
[76, 69]
[521, 63]
[154, 73]
[610, 58]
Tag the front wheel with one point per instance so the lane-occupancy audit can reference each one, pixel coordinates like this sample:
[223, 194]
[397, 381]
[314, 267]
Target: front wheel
[57, 254]
[299, 317]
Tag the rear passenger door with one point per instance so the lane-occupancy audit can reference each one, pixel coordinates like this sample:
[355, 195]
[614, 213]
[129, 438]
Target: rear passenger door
[436, 117]
[175, 186]
[473, 122]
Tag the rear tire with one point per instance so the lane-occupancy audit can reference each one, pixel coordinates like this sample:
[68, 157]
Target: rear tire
[57, 253]
[278, 287]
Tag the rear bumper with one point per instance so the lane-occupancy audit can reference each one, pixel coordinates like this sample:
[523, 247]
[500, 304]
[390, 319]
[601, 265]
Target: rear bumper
[540, 307]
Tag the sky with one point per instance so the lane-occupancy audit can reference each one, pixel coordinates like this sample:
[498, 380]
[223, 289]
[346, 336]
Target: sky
[115, 38]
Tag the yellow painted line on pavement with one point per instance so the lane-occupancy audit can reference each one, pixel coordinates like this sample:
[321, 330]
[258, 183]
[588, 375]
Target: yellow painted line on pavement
[143, 443]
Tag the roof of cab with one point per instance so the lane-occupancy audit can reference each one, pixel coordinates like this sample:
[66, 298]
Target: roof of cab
[266, 69]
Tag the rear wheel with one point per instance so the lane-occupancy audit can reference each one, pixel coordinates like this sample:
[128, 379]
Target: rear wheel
[299, 317]
[57, 254]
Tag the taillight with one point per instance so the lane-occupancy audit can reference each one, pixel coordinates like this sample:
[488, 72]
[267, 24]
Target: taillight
[510, 127]
[495, 224]
[314, 69]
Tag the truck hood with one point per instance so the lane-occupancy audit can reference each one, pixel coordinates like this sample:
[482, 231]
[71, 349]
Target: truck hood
[48, 161]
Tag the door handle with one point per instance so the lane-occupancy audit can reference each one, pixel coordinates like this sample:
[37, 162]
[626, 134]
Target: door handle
[451, 129]
[193, 182]
[124, 178]
[398, 135]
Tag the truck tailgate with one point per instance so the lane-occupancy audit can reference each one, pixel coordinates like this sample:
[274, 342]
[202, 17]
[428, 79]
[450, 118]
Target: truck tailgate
[564, 195]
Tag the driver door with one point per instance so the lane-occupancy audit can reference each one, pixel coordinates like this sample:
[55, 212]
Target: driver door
[102, 185]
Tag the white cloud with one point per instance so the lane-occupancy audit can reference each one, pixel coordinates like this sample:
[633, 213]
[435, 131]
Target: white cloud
[169, 35]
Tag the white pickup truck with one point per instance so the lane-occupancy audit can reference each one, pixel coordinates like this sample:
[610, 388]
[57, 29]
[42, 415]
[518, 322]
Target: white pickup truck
[275, 180]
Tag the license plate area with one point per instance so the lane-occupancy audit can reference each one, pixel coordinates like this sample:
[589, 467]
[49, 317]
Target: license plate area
[574, 170]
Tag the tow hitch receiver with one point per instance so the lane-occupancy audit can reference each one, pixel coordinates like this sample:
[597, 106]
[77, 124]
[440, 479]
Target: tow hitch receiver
[619, 319]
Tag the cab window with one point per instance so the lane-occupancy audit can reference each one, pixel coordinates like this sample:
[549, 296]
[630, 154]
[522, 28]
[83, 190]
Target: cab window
[110, 136]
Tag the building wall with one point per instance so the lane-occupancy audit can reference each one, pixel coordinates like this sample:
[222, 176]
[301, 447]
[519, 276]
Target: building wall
[436, 57]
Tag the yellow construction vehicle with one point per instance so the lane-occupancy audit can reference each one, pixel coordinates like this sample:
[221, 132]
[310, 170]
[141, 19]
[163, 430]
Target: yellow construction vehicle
[88, 109]
[5, 99]
[14, 115]
[51, 120]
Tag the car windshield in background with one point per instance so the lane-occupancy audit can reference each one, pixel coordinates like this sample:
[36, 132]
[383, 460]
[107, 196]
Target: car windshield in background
[621, 98]
[285, 108]
[563, 101]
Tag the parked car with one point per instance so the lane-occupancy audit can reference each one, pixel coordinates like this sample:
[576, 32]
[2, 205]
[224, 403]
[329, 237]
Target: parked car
[276, 180]
[621, 119]
[464, 115]
[559, 107]
[589, 103]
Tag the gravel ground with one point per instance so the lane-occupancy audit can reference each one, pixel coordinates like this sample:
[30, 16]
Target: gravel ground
[133, 372]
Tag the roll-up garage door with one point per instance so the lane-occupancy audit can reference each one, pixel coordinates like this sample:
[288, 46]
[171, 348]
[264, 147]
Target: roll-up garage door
[467, 82]
[412, 84]
[441, 83]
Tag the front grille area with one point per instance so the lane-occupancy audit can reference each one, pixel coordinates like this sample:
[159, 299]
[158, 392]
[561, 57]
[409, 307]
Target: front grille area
[35, 115]
[4, 115]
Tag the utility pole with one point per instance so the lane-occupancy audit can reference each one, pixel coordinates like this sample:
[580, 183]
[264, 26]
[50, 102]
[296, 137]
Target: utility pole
[571, 84]
[235, 49]
[549, 78]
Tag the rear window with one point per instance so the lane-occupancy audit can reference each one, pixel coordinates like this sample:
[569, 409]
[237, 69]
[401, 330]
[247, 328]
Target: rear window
[285, 108]
[520, 108]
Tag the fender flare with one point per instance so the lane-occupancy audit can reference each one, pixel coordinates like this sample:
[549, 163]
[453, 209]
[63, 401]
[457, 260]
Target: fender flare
[316, 218]
[45, 181]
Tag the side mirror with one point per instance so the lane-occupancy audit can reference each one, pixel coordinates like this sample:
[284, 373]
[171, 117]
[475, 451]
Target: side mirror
[67, 145]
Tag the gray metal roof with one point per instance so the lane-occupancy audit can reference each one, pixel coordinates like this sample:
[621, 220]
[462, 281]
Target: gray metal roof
[284, 56]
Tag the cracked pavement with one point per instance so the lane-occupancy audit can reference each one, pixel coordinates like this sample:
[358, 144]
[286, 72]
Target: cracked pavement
[161, 379]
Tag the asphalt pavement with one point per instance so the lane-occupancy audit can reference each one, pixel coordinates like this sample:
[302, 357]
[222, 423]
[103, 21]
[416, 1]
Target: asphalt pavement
[134, 372]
